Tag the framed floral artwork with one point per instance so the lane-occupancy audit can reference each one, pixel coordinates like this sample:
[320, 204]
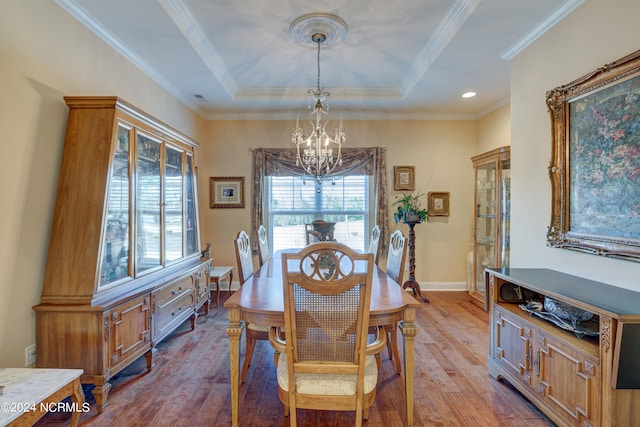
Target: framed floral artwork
[226, 192]
[595, 165]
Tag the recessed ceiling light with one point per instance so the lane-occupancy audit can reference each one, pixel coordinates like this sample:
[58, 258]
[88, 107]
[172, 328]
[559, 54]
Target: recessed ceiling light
[468, 94]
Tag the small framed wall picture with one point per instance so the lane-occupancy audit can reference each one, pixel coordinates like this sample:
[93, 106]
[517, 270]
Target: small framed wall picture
[404, 178]
[438, 203]
[226, 192]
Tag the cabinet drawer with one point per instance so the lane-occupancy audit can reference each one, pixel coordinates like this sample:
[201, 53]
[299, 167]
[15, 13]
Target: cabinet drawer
[167, 316]
[173, 290]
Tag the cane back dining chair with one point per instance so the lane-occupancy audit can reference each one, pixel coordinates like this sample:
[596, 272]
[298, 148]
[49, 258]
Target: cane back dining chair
[374, 243]
[395, 269]
[325, 362]
[253, 332]
[263, 245]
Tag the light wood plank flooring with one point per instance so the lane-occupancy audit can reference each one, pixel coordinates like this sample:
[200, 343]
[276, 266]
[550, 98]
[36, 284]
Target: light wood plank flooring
[189, 384]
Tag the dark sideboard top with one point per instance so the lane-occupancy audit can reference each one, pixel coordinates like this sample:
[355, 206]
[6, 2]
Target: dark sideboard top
[617, 301]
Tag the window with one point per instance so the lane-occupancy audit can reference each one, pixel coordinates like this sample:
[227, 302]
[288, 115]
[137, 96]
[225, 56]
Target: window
[294, 201]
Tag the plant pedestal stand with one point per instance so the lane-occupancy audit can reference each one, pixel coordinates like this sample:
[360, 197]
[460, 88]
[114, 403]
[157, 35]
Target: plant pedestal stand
[411, 283]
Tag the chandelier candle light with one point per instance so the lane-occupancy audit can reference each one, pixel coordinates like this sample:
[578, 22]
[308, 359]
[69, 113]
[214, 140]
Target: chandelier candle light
[318, 154]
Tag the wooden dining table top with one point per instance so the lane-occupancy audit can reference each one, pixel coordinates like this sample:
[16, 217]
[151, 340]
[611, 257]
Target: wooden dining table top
[263, 293]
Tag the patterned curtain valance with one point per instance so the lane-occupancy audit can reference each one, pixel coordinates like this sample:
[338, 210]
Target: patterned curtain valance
[282, 162]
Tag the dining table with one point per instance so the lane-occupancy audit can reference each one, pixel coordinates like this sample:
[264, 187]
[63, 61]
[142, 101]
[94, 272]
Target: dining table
[260, 300]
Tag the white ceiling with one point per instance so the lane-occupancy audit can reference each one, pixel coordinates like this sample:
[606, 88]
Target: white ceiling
[403, 59]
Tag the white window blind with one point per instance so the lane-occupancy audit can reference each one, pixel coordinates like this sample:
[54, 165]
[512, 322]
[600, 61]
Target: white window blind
[294, 202]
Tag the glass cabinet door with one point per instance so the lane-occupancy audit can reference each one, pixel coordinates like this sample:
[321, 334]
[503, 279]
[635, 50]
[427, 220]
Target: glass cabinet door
[173, 188]
[491, 219]
[114, 257]
[148, 203]
[485, 221]
[505, 244]
[191, 223]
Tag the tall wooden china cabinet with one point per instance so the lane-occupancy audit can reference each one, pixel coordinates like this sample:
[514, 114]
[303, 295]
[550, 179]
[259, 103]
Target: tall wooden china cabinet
[124, 266]
[492, 217]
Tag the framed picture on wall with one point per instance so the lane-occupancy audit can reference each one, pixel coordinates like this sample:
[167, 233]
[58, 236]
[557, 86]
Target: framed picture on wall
[595, 177]
[438, 203]
[226, 192]
[404, 178]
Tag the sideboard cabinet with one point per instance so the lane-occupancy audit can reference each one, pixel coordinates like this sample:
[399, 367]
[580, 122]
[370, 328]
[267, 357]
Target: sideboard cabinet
[491, 219]
[124, 267]
[569, 344]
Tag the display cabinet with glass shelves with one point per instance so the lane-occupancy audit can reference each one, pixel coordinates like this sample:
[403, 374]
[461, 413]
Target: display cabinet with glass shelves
[491, 218]
[124, 266]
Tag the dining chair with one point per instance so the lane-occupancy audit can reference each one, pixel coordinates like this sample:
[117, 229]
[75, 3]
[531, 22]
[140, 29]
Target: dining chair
[374, 243]
[329, 365]
[263, 245]
[253, 332]
[310, 235]
[395, 269]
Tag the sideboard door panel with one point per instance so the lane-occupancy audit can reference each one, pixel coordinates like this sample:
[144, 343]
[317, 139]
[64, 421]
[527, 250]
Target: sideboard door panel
[513, 345]
[568, 380]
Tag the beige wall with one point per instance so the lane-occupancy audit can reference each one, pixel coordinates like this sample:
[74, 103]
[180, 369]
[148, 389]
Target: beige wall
[494, 129]
[440, 151]
[596, 33]
[47, 54]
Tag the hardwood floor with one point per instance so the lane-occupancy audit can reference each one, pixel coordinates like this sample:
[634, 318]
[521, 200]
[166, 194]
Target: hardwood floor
[189, 384]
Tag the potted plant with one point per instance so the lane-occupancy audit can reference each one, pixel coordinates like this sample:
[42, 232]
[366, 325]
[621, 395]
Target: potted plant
[409, 208]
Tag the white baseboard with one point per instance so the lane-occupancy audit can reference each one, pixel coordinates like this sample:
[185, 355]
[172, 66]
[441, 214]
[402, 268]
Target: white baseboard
[443, 286]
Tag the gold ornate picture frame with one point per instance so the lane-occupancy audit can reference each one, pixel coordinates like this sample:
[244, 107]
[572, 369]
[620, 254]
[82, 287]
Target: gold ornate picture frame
[595, 178]
[404, 178]
[438, 203]
[226, 192]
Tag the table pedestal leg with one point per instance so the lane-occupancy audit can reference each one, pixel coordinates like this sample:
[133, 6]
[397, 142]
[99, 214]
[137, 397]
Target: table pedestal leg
[409, 331]
[234, 331]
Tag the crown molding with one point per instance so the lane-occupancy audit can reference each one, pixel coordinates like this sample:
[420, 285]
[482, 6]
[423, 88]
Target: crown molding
[558, 15]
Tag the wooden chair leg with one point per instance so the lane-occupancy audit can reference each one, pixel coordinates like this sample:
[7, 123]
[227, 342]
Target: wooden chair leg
[293, 421]
[359, 412]
[393, 338]
[247, 357]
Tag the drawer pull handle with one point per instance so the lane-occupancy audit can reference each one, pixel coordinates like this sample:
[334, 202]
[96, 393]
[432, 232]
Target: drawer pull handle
[173, 313]
[175, 291]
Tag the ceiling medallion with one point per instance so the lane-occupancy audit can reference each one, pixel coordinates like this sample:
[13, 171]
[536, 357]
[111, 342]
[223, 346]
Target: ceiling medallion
[331, 26]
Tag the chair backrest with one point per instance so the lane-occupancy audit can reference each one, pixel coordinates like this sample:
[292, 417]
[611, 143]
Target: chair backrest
[244, 259]
[327, 293]
[396, 256]
[374, 243]
[263, 245]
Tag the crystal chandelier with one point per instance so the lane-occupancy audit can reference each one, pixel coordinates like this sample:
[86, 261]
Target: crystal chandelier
[318, 154]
